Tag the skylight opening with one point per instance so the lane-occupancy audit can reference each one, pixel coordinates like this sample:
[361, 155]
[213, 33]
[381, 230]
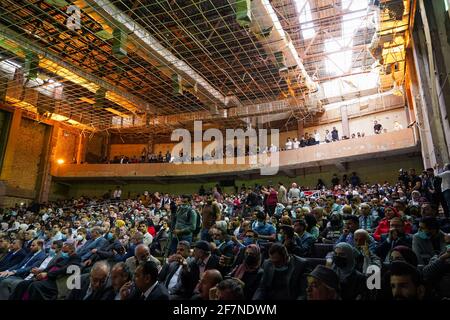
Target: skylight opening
[355, 5]
[305, 17]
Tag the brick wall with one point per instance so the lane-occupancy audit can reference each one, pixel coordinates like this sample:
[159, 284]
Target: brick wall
[27, 156]
[66, 146]
[94, 148]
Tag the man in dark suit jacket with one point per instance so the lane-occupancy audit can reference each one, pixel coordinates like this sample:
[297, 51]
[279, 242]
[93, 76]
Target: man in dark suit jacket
[179, 285]
[45, 288]
[284, 276]
[203, 261]
[147, 286]
[94, 286]
[97, 242]
[32, 259]
[14, 256]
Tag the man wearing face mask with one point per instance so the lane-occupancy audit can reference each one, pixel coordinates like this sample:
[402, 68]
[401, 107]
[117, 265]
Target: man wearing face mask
[224, 247]
[266, 231]
[44, 286]
[284, 276]
[113, 251]
[183, 224]
[429, 240]
[210, 214]
[249, 271]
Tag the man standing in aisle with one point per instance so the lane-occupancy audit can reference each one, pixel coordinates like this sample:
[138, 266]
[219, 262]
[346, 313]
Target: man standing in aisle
[183, 224]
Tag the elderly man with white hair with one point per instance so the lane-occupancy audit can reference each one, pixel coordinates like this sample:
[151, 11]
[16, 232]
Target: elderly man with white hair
[294, 193]
[365, 247]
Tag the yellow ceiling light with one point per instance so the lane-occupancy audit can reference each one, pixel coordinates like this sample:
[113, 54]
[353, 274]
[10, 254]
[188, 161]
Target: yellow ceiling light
[58, 117]
[67, 74]
[21, 104]
[118, 113]
[121, 101]
[87, 100]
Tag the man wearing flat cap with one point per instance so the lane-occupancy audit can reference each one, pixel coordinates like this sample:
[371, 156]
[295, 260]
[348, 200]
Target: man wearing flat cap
[323, 284]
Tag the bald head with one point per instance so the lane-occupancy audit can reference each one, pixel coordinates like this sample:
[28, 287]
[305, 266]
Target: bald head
[99, 274]
[361, 237]
[142, 252]
[209, 279]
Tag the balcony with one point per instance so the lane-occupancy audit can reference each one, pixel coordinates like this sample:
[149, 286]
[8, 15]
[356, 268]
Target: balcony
[369, 147]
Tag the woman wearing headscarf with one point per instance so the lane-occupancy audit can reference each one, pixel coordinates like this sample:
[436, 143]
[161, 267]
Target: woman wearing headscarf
[398, 253]
[352, 282]
[249, 270]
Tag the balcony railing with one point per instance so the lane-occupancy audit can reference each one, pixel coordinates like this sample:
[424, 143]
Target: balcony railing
[386, 144]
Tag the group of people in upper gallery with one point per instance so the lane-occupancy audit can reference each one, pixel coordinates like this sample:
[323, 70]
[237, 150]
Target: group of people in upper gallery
[350, 240]
[306, 140]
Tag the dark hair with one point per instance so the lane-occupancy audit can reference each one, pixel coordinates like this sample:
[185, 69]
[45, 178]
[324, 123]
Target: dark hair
[431, 223]
[150, 268]
[233, 286]
[301, 222]
[352, 217]
[311, 221]
[278, 248]
[288, 231]
[260, 214]
[58, 243]
[401, 268]
[125, 269]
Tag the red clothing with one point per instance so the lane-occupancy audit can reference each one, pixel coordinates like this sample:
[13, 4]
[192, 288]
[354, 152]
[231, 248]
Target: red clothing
[272, 199]
[384, 227]
[151, 230]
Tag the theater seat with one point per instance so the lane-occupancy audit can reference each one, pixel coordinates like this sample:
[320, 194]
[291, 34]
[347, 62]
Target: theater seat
[314, 262]
[320, 250]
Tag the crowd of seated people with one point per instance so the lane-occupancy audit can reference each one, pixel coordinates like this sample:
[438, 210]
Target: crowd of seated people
[259, 243]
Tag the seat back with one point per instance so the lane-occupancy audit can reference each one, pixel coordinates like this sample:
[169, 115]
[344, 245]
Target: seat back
[320, 250]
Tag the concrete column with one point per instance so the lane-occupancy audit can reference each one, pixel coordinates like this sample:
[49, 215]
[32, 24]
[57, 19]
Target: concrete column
[300, 128]
[426, 74]
[150, 144]
[14, 131]
[81, 150]
[345, 124]
[48, 161]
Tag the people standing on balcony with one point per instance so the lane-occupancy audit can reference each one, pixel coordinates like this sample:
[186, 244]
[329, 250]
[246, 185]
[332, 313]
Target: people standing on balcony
[317, 136]
[328, 136]
[289, 144]
[302, 142]
[296, 143]
[358, 134]
[311, 140]
[397, 126]
[273, 148]
[377, 127]
[353, 136]
[334, 134]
